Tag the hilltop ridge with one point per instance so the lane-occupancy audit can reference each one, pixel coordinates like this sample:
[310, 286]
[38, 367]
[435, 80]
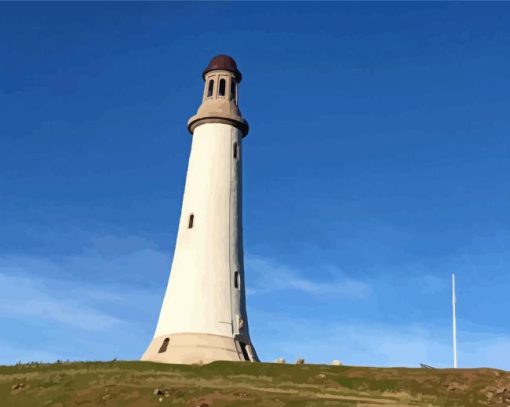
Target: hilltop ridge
[125, 383]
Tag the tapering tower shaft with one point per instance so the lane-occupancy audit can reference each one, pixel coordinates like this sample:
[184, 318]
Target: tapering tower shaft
[203, 317]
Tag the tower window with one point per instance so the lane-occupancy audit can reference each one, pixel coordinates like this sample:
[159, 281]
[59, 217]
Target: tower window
[190, 221]
[236, 152]
[210, 88]
[164, 345]
[237, 280]
[233, 90]
[222, 88]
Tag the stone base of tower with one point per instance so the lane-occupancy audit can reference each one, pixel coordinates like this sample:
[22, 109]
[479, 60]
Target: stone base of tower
[190, 348]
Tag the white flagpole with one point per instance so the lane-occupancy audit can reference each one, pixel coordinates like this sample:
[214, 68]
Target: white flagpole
[454, 300]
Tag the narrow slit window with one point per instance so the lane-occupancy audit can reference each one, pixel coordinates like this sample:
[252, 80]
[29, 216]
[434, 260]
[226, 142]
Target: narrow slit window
[190, 221]
[233, 90]
[221, 92]
[210, 88]
[236, 152]
[237, 280]
[164, 345]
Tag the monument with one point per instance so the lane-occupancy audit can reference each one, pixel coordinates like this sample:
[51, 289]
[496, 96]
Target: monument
[203, 317]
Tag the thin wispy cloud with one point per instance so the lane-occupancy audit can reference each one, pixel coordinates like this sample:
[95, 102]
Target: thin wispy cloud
[267, 275]
[375, 332]
[82, 313]
[49, 300]
[78, 317]
[378, 344]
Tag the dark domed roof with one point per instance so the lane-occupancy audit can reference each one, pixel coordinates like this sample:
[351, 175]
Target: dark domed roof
[223, 62]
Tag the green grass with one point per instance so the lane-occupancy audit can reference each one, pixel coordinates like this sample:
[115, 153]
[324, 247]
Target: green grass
[120, 383]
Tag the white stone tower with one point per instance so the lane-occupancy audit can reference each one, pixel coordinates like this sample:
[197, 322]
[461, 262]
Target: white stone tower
[203, 317]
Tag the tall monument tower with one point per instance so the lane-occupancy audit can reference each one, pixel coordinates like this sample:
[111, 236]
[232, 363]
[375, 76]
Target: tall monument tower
[203, 317]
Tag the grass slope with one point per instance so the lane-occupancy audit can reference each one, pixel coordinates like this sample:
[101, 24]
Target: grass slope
[143, 384]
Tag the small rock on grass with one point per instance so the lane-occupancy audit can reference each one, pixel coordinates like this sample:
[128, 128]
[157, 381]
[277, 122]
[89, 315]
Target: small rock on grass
[161, 392]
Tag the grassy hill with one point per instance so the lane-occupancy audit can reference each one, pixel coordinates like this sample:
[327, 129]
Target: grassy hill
[143, 384]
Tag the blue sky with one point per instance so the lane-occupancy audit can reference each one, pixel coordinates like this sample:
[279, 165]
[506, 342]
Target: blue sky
[377, 164]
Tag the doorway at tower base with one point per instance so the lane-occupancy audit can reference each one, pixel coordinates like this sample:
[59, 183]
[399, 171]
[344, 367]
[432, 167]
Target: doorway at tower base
[191, 348]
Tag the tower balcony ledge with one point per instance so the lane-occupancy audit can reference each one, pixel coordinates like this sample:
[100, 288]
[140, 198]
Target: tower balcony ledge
[232, 119]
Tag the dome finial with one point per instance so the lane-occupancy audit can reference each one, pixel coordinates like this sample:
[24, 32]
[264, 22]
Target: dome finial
[224, 63]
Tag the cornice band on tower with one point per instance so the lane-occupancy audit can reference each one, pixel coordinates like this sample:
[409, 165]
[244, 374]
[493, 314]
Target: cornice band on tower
[195, 121]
